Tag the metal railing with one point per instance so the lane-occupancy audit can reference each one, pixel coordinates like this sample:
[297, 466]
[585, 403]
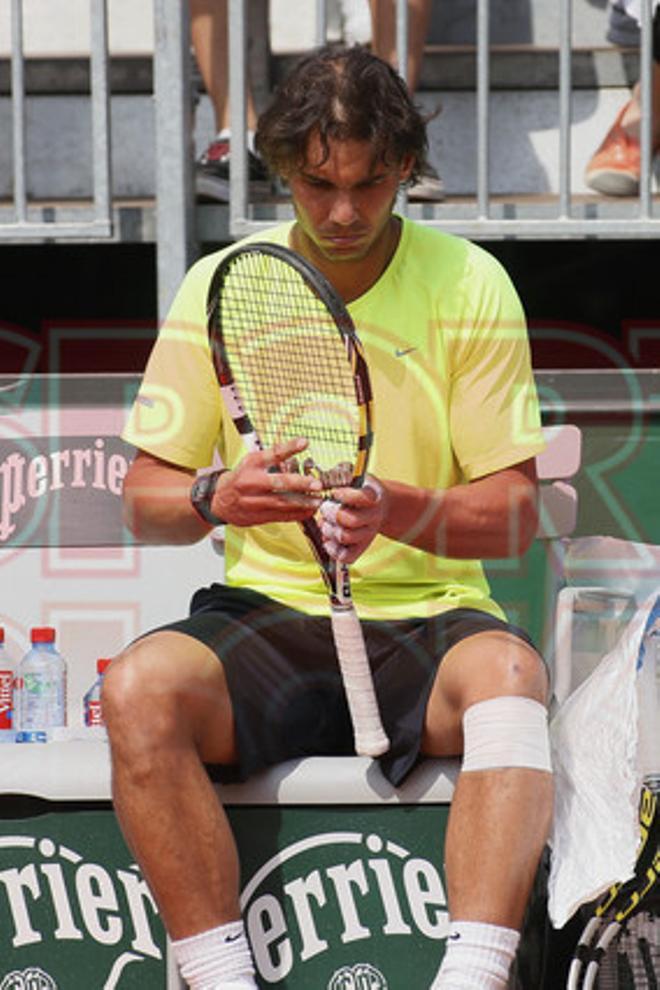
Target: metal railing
[174, 155]
[178, 223]
[478, 219]
[27, 223]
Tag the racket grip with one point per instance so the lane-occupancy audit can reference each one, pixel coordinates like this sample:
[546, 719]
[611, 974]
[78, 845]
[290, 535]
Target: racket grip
[370, 736]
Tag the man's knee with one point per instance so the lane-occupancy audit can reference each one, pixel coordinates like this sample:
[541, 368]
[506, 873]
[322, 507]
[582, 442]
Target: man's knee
[520, 669]
[496, 663]
[488, 665]
[130, 686]
[479, 668]
[168, 687]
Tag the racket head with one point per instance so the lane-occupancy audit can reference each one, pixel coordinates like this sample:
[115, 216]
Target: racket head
[289, 360]
[626, 916]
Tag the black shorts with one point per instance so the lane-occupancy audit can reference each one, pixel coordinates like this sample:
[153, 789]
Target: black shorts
[285, 686]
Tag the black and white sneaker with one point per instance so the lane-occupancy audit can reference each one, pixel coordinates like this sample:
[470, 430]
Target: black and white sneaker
[429, 188]
[212, 172]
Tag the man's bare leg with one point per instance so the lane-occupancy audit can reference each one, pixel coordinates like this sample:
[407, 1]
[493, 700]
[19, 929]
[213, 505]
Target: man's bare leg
[383, 32]
[632, 117]
[210, 38]
[513, 808]
[167, 708]
[499, 819]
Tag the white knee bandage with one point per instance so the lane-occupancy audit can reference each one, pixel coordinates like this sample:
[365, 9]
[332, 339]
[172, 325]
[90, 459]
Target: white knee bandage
[506, 732]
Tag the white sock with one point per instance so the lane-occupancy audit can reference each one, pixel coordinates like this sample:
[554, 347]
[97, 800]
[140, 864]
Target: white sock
[478, 957]
[219, 959]
[225, 135]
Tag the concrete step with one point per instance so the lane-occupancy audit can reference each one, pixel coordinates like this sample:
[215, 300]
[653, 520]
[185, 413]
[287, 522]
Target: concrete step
[524, 141]
[62, 26]
[519, 22]
[524, 155]
[445, 66]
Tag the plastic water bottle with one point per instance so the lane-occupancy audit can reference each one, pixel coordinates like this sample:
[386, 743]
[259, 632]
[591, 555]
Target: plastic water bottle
[92, 714]
[7, 675]
[41, 688]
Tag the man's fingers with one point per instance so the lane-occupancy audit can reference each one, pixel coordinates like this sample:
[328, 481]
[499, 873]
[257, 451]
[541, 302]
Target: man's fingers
[283, 469]
[345, 535]
[360, 498]
[279, 453]
[291, 484]
[329, 510]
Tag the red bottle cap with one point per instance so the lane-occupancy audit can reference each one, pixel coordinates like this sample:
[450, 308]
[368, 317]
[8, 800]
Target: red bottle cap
[102, 665]
[2, 635]
[42, 634]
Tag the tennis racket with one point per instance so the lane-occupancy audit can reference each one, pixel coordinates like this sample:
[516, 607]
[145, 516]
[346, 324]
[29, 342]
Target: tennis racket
[289, 365]
[619, 947]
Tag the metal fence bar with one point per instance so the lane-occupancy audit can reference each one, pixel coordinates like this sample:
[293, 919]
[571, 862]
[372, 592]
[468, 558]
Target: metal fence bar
[488, 219]
[483, 93]
[402, 38]
[402, 15]
[23, 226]
[565, 53]
[495, 227]
[321, 22]
[646, 97]
[238, 175]
[18, 110]
[100, 102]
[174, 187]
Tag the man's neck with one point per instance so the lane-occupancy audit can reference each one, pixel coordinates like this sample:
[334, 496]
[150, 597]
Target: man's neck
[351, 278]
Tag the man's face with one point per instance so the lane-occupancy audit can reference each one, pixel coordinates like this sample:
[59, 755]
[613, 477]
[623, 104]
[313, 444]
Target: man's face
[343, 204]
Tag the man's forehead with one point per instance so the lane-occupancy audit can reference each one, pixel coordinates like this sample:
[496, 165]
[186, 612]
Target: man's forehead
[321, 155]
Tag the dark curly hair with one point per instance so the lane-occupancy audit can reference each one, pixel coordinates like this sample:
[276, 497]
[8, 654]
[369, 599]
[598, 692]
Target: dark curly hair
[341, 93]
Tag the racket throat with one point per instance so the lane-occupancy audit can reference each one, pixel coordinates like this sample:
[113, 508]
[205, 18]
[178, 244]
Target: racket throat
[340, 594]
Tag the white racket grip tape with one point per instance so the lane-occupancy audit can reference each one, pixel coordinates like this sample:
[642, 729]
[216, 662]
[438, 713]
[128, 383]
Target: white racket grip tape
[370, 736]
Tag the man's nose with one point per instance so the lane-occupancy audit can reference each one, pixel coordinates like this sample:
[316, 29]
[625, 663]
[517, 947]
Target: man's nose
[343, 208]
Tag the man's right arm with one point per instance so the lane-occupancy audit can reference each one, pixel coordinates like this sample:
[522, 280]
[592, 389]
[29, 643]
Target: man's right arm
[157, 506]
[158, 509]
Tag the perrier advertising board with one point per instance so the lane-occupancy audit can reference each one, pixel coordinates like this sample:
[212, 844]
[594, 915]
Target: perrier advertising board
[334, 898]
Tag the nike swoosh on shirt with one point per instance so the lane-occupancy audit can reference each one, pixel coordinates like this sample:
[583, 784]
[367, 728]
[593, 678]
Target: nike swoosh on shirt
[402, 351]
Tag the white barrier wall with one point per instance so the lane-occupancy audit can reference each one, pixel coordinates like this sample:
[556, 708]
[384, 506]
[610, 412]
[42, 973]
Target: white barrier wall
[66, 559]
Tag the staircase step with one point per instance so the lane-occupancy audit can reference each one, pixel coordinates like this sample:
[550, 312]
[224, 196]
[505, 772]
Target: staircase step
[445, 67]
[523, 125]
[526, 67]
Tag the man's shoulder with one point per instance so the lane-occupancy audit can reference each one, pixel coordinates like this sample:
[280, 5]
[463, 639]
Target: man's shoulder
[423, 237]
[457, 257]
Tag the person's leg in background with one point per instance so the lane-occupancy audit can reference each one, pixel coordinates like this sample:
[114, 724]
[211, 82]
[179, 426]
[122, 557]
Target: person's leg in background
[615, 167]
[383, 34]
[209, 32]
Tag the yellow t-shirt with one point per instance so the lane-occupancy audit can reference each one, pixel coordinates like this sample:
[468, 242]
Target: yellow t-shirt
[454, 399]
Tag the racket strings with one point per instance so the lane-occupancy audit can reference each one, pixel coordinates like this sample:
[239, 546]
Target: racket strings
[291, 366]
[631, 960]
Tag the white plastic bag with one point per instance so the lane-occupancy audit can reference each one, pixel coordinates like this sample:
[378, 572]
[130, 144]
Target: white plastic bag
[607, 561]
[597, 759]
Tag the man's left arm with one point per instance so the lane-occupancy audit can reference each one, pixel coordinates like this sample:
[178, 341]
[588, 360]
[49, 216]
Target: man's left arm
[491, 517]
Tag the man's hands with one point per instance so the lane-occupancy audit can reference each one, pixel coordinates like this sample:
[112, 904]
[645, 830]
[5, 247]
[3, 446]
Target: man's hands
[251, 494]
[352, 519]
